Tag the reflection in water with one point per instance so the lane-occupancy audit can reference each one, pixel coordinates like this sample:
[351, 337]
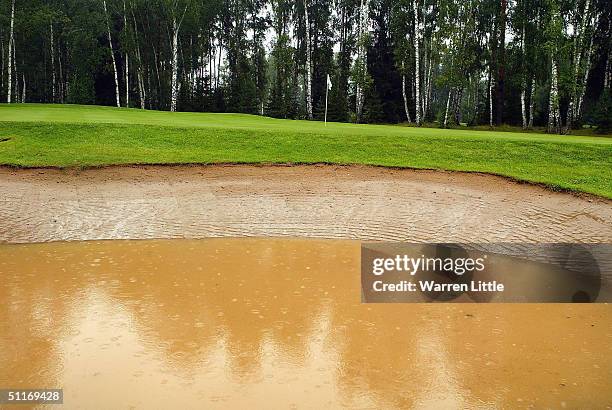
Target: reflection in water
[244, 322]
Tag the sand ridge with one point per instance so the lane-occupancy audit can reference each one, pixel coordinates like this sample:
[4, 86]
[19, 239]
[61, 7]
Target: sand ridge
[317, 201]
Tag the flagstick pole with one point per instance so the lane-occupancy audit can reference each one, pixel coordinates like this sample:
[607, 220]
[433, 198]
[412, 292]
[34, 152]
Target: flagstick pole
[326, 94]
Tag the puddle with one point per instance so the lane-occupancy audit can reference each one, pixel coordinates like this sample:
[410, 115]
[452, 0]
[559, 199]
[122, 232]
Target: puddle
[278, 323]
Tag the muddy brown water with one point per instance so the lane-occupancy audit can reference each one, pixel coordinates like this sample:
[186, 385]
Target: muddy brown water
[276, 323]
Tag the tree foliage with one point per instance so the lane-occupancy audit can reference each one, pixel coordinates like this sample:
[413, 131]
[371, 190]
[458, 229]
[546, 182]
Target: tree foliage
[529, 62]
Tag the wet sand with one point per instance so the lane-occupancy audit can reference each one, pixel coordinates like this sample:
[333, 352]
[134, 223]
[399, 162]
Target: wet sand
[356, 202]
[276, 323]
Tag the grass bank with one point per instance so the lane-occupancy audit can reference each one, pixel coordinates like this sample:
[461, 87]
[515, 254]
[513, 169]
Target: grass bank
[76, 136]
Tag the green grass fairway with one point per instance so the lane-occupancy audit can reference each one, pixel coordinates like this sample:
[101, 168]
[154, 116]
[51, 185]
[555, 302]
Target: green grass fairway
[76, 136]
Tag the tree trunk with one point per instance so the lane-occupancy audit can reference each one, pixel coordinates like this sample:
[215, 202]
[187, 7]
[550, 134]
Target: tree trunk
[16, 72]
[127, 61]
[405, 98]
[475, 101]
[553, 105]
[157, 76]
[174, 80]
[139, 70]
[174, 86]
[450, 93]
[361, 59]
[110, 44]
[531, 102]
[585, 78]
[52, 65]
[491, 86]
[578, 44]
[523, 81]
[427, 93]
[3, 64]
[417, 63]
[308, 64]
[219, 63]
[457, 105]
[62, 89]
[501, 63]
[10, 55]
[607, 71]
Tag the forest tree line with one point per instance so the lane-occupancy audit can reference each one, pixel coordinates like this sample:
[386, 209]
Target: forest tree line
[476, 62]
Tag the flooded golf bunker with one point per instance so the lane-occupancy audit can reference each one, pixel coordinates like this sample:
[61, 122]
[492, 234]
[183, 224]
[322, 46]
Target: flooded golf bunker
[240, 323]
[322, 201]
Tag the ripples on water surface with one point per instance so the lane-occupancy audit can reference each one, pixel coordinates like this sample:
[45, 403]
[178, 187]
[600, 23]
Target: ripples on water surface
[275, 323]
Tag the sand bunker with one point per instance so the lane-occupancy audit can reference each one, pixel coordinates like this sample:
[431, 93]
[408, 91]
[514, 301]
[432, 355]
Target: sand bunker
[351, 202]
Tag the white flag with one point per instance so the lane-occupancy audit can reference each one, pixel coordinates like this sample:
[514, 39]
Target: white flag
[329, 83]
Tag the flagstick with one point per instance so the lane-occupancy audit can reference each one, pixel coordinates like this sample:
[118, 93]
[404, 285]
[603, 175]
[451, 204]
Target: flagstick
[326, 93]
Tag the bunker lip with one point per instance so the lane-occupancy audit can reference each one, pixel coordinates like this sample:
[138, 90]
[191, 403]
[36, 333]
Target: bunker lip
[285, 200]
[506, 178]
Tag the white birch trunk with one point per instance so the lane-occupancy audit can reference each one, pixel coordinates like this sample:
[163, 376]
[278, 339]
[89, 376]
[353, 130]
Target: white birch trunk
[491, 86]
[427, 93]
[531, 102]
[523, 108]
[578, 43]
[10, 55]
[62, 88]
[553, 106]
[127, 61]
[16, 73]
[585, 78]
[157, 77]
[112, 52]
[417, 63]
[607, 72]
[3, 64]
[450, 91]
[308, 64]
[139, 75]
[218, 70]
[52, 64]
[361, 59]
[23, 90]
[405, 98]
[174, 84]
[523, 81]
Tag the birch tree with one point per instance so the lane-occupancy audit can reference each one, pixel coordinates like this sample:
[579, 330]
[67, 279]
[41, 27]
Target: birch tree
[52, 62]
[126, 58]
[501, 61]
[532, 88]
[404, 95]
[10, 54]
[139, 69]
[576, 60]
[112, 53]
[523, 79]
[177, 20]
[554, 116]
[308, 63]
[361, 76]
[417, 62]
[554, 36]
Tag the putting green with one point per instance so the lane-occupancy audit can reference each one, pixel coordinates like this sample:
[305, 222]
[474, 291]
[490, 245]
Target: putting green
[38, 135]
